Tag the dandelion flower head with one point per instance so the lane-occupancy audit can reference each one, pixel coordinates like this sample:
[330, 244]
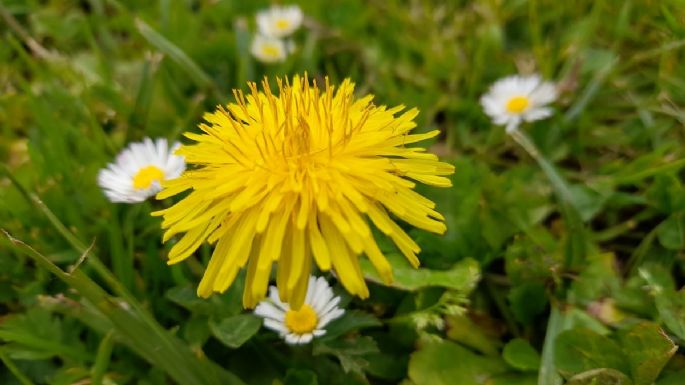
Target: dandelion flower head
[279, 21]
[139, 169]
[299, 177]
[302, 325]
[515, 99]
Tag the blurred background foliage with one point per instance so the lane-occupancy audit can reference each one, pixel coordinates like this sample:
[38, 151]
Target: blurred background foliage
[523, 289]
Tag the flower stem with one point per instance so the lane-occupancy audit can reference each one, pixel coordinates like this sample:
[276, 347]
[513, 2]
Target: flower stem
[577, 237]
[560, 185]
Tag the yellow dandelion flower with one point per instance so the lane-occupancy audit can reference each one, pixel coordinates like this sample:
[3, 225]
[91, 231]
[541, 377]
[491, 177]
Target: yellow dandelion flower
[298, 176]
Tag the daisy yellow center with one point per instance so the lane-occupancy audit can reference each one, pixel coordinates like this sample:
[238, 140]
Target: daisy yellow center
[271, 50]
[518, 104]
[146, 176]
[301, 321]
[282, 24]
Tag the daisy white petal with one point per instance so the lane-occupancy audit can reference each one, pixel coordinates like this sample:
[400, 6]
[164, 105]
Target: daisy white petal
[515, 99]
[138, 170]
[301, 326]
[279, 21]
[268, 49]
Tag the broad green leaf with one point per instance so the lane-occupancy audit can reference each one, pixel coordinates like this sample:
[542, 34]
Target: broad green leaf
[648, 350]
[217, 306]
[388, 365]
[37, 334]
[462, 329]
[235, 331]
[598, 279]
[352, 353]
[588, 201]
[671, 232]
[515, 379]
[580, 350]
[603, 376]
[672, 378]
[462, 276]
[520, 355]
[528, 301]
[300, 377]
[351, 320]
[670, 304]
[447, 363]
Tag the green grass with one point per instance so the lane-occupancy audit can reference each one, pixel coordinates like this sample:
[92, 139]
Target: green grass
[578, 255]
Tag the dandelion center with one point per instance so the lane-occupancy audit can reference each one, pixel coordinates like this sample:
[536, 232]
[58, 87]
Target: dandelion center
[297, 178]
[146, 176]
[518, 104]
[301, 321]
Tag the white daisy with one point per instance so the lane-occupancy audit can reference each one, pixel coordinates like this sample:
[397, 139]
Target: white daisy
[515, 99]
[279, 21]
[300, 326]
[269, 49]
[138, 170]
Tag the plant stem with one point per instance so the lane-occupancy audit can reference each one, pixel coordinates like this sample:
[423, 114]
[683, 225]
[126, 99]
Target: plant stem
[548, 373]
[13, 369]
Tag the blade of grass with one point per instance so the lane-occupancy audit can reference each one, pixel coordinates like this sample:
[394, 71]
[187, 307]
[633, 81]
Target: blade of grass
[151, 329]
[548, 373]
[569, 210]
[9, 364]
[589, 92]
[174, 53]
[138, 118]
[156, 345]
[102, 359]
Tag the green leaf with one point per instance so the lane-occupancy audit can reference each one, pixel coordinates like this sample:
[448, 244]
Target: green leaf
[588, 201]
[217, 306]
[351, 320]
[352, 353]
[462, 276]
[235, 331]
[515, 379]
[446, 363]
[580, 350]
[460, 328]
[520, 355]
[603, 376]
[670, 304]
[671, 232]
[528, 301]
[37, 334]
[300, 377]
[648, 350]
[598, 279]
[672, 378]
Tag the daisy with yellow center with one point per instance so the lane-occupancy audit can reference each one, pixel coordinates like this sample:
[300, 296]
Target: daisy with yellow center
[139, 169]
[297, 177]
[269, 49]
[515, 99]
[302, 325]
[279, 21]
